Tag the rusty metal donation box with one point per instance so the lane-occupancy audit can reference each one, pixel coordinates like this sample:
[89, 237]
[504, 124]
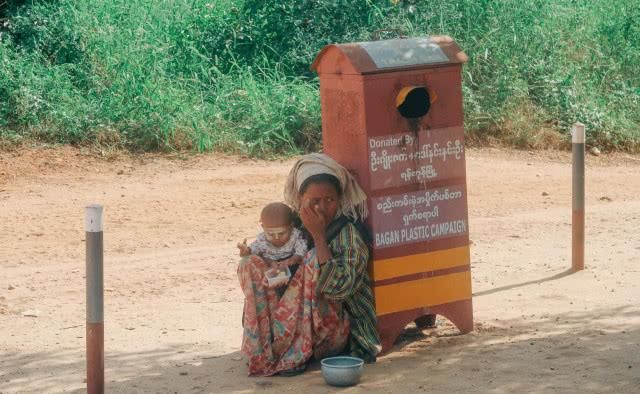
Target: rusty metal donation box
[392, 114]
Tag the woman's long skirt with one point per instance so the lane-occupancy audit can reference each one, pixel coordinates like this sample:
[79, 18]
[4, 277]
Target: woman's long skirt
[283, 333]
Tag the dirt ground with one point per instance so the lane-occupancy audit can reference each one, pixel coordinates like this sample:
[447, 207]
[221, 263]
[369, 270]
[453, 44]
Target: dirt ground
[173, 306]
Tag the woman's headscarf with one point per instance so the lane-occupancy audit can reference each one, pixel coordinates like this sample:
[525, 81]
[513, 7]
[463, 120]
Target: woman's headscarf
[353, 201]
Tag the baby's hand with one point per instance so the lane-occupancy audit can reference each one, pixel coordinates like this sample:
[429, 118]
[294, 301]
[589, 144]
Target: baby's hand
[293, 260]
[244, 249]
[284, 263]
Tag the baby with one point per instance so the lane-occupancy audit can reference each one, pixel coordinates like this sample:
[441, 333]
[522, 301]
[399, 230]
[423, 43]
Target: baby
[280, 244]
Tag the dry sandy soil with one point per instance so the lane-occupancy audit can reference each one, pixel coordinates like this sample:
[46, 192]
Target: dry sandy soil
[173, 306]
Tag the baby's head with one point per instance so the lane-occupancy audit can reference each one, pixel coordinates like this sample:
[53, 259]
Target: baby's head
[277, 222]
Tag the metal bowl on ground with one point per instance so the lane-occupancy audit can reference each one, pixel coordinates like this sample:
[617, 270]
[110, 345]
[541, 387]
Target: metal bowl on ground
[342, 370]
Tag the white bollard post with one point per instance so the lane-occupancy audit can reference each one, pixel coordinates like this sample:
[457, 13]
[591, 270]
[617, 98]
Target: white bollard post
[95, 302]
[577, 217]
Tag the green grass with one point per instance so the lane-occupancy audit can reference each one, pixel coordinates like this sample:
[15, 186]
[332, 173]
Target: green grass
[234, 75]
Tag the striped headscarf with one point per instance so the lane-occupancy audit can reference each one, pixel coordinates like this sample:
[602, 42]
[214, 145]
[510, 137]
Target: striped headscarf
[353, 201]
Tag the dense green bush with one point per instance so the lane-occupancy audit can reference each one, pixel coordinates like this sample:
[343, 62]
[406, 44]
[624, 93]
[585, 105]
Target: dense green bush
[234, 75]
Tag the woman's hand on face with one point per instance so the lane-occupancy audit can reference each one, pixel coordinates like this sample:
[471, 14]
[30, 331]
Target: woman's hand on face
[313, 219]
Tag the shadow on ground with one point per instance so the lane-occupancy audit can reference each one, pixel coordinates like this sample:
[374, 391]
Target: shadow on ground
[597, 352]
[531, 282]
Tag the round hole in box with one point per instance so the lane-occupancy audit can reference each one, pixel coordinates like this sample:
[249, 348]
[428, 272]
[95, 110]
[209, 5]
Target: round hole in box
[413, 101]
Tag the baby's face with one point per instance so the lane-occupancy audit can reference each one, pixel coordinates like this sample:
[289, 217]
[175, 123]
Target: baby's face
[277, 234]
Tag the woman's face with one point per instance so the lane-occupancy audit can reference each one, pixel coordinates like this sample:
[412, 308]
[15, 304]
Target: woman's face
[323, 198]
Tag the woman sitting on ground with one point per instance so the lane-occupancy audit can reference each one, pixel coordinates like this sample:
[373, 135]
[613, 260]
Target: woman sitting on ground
[327, 307]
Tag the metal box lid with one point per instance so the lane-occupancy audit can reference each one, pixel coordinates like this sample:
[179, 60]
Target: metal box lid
[388, 55]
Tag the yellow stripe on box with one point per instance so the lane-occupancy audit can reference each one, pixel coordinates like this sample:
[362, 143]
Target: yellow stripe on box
[414, 294]
[423, 262]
